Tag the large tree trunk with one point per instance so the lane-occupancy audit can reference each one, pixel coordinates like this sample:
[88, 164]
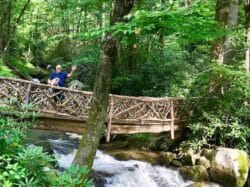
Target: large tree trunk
[226, 16]
[98, 112]
[247, 16]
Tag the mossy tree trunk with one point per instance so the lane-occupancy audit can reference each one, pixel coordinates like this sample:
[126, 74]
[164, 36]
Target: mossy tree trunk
[95, 125]
[226, 17]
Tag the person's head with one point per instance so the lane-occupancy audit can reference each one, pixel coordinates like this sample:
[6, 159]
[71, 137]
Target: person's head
[58, 68]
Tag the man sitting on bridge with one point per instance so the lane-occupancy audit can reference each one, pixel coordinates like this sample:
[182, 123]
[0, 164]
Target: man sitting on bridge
[58, 77]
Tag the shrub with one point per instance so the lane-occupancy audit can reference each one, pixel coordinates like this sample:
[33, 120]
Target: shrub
[28, 166]
[220, 105]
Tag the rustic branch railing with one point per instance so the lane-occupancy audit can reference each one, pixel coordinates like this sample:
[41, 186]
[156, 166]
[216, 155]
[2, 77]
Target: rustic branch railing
[75, 104]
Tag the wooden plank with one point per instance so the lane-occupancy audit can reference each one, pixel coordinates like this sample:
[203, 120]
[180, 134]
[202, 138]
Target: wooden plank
[140, 121]
[132, 129]
[27, 94]
[60, 125]
[54, 115]
[172, 120]
[248, 60]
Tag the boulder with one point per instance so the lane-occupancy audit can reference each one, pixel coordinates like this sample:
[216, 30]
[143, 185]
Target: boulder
[194, 173]
[165, 158]
[208, 153]
[202, 161]
[229, 167]
[176, 163]
[202, 184]
[76, 85]
[189, 158]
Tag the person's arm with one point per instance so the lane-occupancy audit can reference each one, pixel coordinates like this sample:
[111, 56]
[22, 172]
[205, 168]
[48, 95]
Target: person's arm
[49, 81]
[72, 71]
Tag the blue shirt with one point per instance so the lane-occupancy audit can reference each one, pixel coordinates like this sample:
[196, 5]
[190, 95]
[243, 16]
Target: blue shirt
[62, 77]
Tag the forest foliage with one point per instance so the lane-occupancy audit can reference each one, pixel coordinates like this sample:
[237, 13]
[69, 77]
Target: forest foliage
[29, 165]
[167, 48]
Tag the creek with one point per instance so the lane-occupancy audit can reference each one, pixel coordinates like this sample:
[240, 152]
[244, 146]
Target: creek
[108, 171]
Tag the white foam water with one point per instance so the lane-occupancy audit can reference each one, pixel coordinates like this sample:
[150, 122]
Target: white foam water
[115, 173]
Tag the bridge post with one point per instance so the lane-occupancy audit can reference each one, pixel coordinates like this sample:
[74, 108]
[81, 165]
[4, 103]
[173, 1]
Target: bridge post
[109, 126]
[248, 60]
[172, 119]
[27, 94]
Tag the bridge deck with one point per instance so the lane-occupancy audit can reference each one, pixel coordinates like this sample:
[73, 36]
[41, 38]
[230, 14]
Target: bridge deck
[67, 109]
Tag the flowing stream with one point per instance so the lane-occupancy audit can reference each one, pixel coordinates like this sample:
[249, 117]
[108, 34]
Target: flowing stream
[108, 172]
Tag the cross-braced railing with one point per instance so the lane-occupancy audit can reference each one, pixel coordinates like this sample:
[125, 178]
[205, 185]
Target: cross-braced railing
[76, 104]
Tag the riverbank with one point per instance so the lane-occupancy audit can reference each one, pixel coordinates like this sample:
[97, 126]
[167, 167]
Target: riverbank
[202, 167]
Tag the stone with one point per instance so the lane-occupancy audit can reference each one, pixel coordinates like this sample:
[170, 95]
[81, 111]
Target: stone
[177, 163]
[202, 161]
[200, 184]
[194, 173]
[229, 167]
[208, 153]
[122, 156]
[189, 158]
[165, 158]
[76, 85]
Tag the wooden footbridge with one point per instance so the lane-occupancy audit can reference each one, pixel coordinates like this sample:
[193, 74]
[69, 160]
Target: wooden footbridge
[64, 109]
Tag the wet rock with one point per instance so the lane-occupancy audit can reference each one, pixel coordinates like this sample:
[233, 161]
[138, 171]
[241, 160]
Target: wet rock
[203, 161]
[76, 85]
[194, 173]
[124, 155]
[166, 158]
[208, 153]
[229, 167]
[200, 184]
[177, 163]
[189, 158]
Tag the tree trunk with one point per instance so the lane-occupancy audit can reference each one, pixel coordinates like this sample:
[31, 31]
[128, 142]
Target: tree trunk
[247, 16]
[99, 105]
[226, 16]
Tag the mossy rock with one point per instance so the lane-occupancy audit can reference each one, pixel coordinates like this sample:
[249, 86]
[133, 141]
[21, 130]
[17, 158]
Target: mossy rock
[208, 153]
[177, 163]
[229, 167]
[166, 158]
[194, 173]
[122, 156]
[189, 158]
[200, 184]
[203, 161]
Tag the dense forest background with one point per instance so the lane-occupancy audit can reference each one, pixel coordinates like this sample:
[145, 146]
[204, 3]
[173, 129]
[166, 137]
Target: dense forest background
[192, 49]
[195, 49]
[163, 46]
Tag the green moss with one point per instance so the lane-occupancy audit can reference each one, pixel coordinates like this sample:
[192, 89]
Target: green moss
[243, 168]
[5, 71]
[122, 156]
[166, 158]
[177, 163]
[25, 67]
[195, 173]
[228, 176]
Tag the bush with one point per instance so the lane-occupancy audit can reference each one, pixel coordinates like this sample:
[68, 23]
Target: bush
[72, 177]
[28, 166]
[219, 102]
[215, 132]
[223, 92]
